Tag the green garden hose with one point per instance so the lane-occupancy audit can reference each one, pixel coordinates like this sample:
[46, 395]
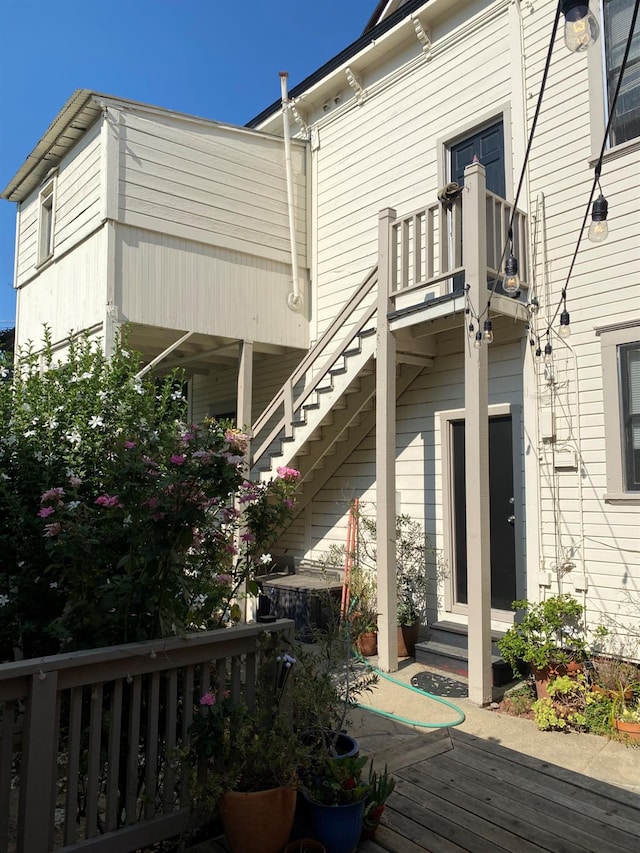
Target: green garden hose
[400, 719]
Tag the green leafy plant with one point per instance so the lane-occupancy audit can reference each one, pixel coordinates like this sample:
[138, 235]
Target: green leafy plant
[564, 706]
[336, 781]
[548, 633]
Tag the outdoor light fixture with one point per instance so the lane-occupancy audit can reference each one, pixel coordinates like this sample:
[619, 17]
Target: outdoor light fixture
[488, 332]
[511, 281]
[599, 230]
[538, 351]
[478, 341]
[580, 25]
[547, 353]
[565, 329]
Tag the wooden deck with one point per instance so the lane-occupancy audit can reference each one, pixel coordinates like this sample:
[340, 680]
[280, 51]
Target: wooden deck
[474, 795]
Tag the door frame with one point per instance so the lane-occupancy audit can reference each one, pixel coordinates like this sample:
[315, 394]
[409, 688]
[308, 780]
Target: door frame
[514, 410]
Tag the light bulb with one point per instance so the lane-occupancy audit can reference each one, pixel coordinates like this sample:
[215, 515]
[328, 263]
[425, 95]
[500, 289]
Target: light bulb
[472, 330]
[478, 341]
[599, 230]
[565, 329]
[547, 353]
[488, 332]
[580, 25]
[511, 281]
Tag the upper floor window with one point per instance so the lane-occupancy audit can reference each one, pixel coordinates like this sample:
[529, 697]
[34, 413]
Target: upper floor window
[617, 16]
[46, 221]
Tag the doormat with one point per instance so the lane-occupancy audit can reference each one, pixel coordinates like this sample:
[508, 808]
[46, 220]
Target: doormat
[439, 685]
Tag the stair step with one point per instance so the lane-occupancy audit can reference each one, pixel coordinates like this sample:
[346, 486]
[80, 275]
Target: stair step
[454, 659]
[309, 406]
[366, 333]
[337, 371]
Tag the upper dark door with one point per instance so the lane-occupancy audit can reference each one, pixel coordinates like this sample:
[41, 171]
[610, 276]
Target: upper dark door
[501, 513]
[488, 146]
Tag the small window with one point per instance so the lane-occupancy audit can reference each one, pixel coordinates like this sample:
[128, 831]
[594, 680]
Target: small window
[617, 16]
[629, 364]
[46, 221]
[621, 392]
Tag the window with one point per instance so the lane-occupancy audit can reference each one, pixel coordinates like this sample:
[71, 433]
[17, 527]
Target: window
[617, 16]
[621, 392]
[46, 222]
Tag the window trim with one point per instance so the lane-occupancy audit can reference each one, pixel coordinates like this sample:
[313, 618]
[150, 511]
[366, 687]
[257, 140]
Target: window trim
[611, 339]
[46, 220]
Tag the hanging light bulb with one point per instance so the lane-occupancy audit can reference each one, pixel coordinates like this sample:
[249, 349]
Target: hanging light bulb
[488, 332]
[547, 353]
[599, 230]
[472, 331]
[538, 351]
[478, 341]
[565, 329]
[580, 25]
[511, 281]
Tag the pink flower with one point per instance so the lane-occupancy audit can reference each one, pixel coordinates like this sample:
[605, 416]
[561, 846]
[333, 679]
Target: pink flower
[75, 481]
[52, 529]
[129, 445]
[227, 580]
[153, 502]
[289, 503]
[247, 537]
[178, 459]
[52, 495]
[288, 473]
[208, 699]
[46, 511]
[108, 500]
[187, 437]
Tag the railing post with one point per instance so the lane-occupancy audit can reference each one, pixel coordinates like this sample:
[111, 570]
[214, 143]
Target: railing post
[386, 455]
[39, 754]
[477, 442]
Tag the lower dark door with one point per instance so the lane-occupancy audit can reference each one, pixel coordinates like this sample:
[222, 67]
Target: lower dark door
[501, 513]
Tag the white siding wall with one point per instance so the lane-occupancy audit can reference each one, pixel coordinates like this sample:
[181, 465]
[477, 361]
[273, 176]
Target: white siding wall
[77, 206]
[602, 540]
[218, 185]
[386, 153]
[162, 280]
[69, 294]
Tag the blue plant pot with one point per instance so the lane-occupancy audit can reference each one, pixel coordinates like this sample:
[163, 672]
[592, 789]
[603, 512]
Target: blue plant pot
[337, 827]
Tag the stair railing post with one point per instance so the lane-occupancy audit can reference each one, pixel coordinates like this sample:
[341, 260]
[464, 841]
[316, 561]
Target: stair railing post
[386, 453]
[474, 229]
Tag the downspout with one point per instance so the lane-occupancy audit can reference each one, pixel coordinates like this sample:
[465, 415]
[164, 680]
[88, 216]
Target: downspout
[294, 299]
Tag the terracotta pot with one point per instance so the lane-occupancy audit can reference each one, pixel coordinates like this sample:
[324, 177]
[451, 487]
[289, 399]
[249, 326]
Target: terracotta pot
[258, 821]
[612, 694]
[367, 643]
[544, 675]
[630, 729]
[408, 636]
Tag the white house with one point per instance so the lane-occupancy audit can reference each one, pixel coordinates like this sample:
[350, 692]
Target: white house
[348, 348]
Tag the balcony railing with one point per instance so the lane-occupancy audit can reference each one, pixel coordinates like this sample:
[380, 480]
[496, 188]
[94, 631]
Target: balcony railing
[87, 738]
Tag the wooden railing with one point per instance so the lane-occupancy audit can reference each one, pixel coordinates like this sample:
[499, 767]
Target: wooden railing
[277, 419]
[427, 246]
[87, 756]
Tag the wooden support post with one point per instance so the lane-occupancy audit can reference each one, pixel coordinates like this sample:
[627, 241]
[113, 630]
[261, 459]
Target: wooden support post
[35, 817]
[386, 457]
[244, 422]
[477, 442]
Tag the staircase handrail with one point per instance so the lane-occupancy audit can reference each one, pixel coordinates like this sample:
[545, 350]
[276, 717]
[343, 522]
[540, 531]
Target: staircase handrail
[284, 397]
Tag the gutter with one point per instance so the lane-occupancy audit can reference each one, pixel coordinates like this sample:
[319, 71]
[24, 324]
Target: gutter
[369, 36]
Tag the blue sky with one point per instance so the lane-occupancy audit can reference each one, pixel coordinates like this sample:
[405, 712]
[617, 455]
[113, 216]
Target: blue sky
[214, 59]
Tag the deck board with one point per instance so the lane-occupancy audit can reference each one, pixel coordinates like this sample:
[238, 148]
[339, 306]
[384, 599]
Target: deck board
[481, 797]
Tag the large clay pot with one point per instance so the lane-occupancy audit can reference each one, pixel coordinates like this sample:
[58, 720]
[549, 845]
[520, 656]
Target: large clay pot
[367, 644]
[258, 821]
[408, 636]
[544, 675]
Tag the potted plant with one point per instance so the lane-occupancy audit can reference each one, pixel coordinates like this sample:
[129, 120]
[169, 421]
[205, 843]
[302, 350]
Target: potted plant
[626, 718]
[381, 787]
[247, 761]
[549, 637]
[336, 795]
[362, 613]
[613, 676]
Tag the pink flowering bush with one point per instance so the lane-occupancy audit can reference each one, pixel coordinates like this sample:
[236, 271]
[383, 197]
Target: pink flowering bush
[119, 522]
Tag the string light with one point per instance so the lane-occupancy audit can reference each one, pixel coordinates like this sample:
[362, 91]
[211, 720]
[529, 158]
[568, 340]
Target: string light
[511, 283]
[580, 25]
[599, 230]
[478, 341]
[488, 331]
[548, 349]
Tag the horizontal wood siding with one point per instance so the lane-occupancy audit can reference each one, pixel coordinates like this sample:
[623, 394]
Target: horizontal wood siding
[76, 205]
[165, 281]
[602, 541]
[221, 186]
[385, 152]
[69, 294]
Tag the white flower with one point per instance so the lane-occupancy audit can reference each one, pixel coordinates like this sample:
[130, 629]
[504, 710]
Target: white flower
[266, 559]
[95, 421]
[38, 456]
[29, 433]
[4, 599]
[53, 585]
[199, 600]
[73, 437]
[4, 372]
[86, 375]
[73, 505]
